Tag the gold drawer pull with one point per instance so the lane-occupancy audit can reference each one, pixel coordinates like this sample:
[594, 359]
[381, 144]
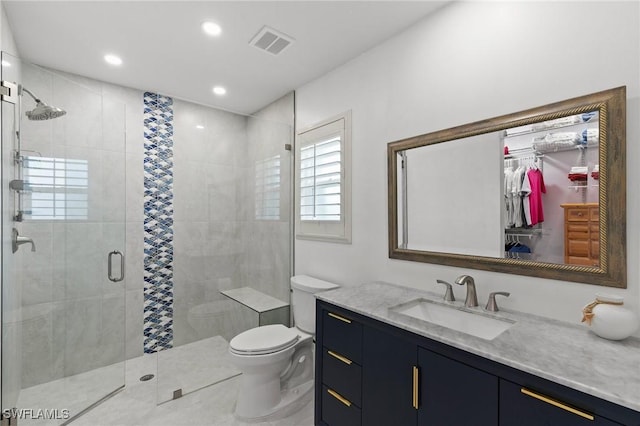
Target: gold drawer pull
[338, 317]
[415, 387]
[556, 404]
[340, 357]
[339, 397]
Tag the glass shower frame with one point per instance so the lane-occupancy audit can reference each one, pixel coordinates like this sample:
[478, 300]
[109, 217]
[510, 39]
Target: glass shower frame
[232, 233]
[63, 306]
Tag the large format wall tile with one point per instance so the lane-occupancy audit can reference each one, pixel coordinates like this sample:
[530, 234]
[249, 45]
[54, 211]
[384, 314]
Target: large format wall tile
[219, 244]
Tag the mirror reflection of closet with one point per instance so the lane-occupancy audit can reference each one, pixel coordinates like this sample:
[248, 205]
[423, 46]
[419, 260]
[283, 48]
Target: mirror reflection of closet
[547, 166]
[447, 196]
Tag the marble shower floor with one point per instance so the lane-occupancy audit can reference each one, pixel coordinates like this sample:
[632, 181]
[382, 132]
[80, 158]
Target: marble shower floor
[189, 367]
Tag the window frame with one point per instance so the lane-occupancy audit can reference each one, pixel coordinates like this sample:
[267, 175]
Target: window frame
[325, 230]
[60, 178]
[267, 191]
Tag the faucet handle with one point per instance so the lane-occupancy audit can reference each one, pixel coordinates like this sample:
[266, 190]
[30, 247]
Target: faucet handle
[492, 306]
[448, 295]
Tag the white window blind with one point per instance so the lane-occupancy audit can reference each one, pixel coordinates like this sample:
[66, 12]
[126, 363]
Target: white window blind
[267, 191]
[320, 180]
[57, 188]
[323, 197]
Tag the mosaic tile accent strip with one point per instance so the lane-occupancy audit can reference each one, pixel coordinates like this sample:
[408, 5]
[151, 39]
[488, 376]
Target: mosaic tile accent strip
[158, 222]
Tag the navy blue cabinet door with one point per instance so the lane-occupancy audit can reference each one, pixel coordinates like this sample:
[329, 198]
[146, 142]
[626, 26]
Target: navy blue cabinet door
[387, 379]
[453, 393]
[525, 407]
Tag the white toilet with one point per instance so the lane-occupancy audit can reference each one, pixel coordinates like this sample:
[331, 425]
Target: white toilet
[276, 361]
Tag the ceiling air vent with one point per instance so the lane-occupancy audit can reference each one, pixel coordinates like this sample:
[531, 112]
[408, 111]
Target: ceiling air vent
[271, 41]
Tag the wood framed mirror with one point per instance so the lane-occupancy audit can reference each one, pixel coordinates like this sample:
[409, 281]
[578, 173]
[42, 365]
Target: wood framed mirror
[540, 192]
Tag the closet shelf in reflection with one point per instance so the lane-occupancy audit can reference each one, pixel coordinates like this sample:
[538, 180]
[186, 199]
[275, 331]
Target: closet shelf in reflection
[524, 232]
[574, 120]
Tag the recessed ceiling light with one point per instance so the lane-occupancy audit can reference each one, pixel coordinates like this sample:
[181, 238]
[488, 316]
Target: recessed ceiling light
[219, 90]
[6, 64]
[211, 28]
[199, 127]
[113, 59]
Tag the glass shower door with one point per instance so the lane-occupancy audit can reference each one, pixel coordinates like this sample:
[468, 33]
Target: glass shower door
[63, 187]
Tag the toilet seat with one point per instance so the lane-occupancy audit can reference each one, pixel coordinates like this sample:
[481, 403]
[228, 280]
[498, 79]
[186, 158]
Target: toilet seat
[264, 340]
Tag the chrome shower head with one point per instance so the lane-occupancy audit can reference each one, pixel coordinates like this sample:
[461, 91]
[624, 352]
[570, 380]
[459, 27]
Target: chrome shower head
[42, 111]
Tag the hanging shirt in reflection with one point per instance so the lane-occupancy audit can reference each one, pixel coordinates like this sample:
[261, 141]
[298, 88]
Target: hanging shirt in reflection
[536, 181]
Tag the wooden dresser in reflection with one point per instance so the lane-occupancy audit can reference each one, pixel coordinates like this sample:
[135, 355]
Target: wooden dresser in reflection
[581, 234]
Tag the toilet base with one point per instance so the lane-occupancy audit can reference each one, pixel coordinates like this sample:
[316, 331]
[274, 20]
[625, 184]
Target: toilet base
[292, 400]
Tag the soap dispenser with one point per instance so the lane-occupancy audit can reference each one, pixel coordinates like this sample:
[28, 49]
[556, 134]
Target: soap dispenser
[609, 319]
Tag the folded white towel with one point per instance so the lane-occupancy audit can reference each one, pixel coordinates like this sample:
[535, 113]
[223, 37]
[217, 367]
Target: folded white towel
[590, 135]
[559, 122]
[579, 169]
[563, 137]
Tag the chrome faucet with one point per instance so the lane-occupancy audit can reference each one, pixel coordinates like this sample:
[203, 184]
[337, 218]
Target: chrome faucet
[472, 299]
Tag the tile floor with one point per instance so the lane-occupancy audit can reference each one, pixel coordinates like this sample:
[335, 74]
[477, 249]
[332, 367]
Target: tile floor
[209, 393]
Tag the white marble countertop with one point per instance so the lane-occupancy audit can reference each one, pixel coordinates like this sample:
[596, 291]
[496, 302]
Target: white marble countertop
[565, 353]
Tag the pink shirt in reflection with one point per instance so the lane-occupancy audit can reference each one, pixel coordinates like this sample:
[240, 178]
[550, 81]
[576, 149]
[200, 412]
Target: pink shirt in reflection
[535, 198]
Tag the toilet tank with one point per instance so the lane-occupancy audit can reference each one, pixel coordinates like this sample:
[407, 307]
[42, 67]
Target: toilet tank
[303, 288]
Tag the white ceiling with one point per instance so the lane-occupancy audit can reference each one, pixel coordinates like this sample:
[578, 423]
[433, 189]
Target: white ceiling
[164, 49]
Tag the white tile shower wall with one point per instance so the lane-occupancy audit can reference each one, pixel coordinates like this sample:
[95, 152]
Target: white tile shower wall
[207, 250]
[218, 243]
[469, 61]
[65, 279]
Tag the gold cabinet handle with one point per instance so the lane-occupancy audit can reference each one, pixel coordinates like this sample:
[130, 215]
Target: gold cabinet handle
[556, 403]
[340, 357]
[339, 397]
[415, 387]
[338, 317]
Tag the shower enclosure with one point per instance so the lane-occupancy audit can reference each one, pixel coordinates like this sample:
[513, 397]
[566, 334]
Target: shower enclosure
[197, 198]
[63, 239]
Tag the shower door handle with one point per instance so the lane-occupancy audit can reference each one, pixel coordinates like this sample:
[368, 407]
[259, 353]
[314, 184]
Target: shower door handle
[110, 263]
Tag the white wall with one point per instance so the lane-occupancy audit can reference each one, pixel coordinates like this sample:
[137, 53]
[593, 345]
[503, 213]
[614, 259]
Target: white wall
[7, 43]
[466, 62]
[448, 184]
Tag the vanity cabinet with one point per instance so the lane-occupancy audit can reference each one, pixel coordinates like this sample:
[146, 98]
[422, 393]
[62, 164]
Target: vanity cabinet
[371, 373]
[581, 234]
[453, 393]
[525, 407]
[339, 354]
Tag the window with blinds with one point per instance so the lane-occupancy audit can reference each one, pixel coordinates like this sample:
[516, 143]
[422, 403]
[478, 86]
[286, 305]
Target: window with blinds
[57, 188]
[323, 197]
[267, 191]
[320, 180]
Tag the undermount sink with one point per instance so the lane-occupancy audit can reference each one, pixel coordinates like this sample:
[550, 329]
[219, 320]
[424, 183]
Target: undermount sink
[457, 318]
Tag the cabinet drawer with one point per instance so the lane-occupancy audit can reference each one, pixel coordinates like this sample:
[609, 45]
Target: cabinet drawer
[578, 228]
[342, 375]
[594, 213]
[342, 335]
[526, 407]
[578, 248]
[582, 261]
[337, 410]
[577, 215]
[594, 231]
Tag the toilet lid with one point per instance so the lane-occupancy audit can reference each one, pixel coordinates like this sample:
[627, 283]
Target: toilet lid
[264, 340]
